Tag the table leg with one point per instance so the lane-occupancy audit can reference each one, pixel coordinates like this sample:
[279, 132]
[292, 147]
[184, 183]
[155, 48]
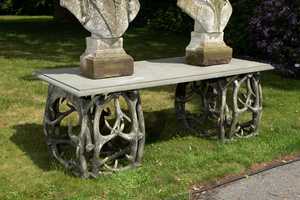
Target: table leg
[245, 96]
[105, 142]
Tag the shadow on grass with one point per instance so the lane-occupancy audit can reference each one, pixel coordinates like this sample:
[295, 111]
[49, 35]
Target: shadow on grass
[160, 125]
[34, 38]
[30, 137]
[271, 79]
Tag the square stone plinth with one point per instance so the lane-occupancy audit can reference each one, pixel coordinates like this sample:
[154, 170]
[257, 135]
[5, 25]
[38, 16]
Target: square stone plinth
[105, 58]
[209, 56]
[106, 67]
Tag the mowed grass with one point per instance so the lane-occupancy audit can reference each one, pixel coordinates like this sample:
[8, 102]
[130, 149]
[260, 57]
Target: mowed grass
[174, 159]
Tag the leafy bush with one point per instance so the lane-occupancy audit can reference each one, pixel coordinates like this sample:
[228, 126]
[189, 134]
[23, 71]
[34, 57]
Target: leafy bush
[275, 31]
[170, 19]
[235, 33]
[164, 16]
[26, 7]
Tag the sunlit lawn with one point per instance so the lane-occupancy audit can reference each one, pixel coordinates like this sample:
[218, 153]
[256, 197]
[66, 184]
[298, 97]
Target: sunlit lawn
[174, 159]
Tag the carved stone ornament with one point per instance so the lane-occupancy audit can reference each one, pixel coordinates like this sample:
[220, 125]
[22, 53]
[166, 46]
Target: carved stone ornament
[211, 17]
[104, 18]
[107, 20]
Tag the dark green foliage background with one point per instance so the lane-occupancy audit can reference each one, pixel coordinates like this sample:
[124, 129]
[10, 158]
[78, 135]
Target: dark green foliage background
[25, 7]
[165, 16]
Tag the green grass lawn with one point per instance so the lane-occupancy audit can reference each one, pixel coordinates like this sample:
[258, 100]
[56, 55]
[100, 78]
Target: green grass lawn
[174, 159]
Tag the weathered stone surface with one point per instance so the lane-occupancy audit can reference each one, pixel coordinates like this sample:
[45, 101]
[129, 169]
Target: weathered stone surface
[105, 58]
[104, 18]
[207, 49]
[209, 56]
[202, 40]
[107, 67]
[151, 73]
[212, 15]
[107, 20]
[207, 46]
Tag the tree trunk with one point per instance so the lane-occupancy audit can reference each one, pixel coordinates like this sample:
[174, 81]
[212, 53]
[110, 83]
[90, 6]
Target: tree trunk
[60, 14]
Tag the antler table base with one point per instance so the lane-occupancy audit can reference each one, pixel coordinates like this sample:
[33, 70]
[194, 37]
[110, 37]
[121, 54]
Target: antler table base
[97, 147]
[93, 129]
[214, 106]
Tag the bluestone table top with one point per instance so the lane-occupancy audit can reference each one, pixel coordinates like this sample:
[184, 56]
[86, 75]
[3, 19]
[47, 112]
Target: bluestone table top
[150, 73]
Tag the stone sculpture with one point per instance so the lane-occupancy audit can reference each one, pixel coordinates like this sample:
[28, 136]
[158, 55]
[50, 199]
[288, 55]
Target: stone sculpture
[211, 17]
[107, 20]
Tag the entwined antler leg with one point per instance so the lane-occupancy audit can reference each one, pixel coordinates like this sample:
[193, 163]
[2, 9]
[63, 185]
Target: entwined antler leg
[88, 144]
[182, 97]
[252, 102]
[257, 104]
[214, 105]
[236, 111]
[221, 86]
[208, 108]
[53, 118]
[57, 142]
[136, 136]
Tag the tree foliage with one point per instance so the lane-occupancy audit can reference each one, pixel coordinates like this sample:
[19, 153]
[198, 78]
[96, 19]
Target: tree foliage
[164, 16]
[259, 28]
[275, 31]
[236, 34]
[25, 7]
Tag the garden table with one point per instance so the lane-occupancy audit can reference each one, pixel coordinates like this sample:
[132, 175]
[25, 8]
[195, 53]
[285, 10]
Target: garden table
[109, 138]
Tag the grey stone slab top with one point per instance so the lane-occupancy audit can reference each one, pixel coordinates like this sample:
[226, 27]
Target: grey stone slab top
[147, 74]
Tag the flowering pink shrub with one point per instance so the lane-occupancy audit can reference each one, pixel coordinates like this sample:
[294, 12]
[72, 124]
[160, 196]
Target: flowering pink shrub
[274, 31]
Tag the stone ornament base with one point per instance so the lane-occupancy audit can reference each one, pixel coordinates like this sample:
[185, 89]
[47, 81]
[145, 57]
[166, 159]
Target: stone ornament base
[207, 49]
[106, 67]
[105, 58]
[209, 56]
